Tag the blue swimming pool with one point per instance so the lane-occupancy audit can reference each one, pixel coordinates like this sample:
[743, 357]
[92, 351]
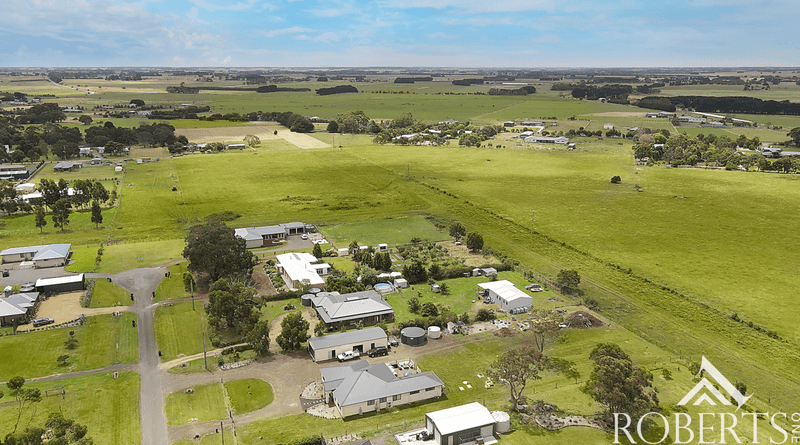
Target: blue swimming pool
[383, 288]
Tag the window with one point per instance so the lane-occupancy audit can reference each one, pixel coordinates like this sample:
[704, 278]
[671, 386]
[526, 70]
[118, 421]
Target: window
[395, 398]
[415, 392]
[430, 389]
[370, 402]
[383, 400]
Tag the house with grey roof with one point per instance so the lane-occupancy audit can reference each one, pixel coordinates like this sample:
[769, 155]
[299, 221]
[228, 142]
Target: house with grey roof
[67, 166]
[358, 387]
[49, 255]
[367, 307]
[327, 347]
[271, 235]
[18, 308]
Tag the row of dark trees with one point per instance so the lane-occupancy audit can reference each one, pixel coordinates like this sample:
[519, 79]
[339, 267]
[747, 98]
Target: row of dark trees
[730, 104]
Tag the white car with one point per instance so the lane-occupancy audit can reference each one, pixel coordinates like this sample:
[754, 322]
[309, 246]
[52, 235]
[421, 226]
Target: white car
[348, 355]
[304, 236]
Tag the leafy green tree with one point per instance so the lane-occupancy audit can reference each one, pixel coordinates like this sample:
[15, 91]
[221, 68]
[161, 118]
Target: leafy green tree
[444, 289]
[428, 309]
[294, 331]
[41, 220]
[457, 231]
[85, 119]
[232, 306]
[413, 305]
[484, 315]
[213, 248]
[415, 272]
[333, 127]
[794, 133]
[97, 214]
[516, 367]
[24, 397]
[435, 271]
[317, 251]
[619, 385]
[568, 279]
[61, 212]
[252, 140]
[474, 241]
[258, 338]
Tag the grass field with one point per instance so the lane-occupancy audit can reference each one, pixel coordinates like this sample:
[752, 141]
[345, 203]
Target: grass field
[179, 330]
[102, 341]
[172, 288]
[107, 294]
[207, 402]
[248, 394]
[391, 231]
[109, 407]
[129, 255]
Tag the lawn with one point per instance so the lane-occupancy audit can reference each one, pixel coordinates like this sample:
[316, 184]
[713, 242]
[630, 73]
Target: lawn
[83, 258]
[107, 294]
[129, 255]
[248, 395]
[102, 341]
[391, 231]
[172, 288]
[109, 407]
[179, 330]
[205, 402]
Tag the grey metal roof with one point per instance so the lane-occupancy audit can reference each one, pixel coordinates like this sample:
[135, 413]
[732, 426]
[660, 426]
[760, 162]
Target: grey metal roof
[8, 309]
[251, 233]
[345, 338]
[23, 301]
[67, 164]
[378, 381]
[334, 308]
[59, 280]
[53, 251]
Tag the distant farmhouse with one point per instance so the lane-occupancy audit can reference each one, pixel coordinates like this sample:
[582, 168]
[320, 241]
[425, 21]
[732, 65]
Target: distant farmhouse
[358, 387]
[547, 139]
[67, 166]
[13, 172]
[50, 255]
[271, 235]
[691, 120]
[302, 268]
[367, 307]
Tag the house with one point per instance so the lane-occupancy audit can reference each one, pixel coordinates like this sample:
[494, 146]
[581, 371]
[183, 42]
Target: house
[13, 172]
[691, 120]
[49, 255]
[299, 268]
[67, 166]
[358, 387]
[571, 146]
[608, 126]
[85, 151]
[236, 146]
[342, 251]
[470, 423]
[57, 285]
[508, 124]
[367, 308]
[506, 296]
[533, 124]
[25, 187]
[382, 247]
[327, 347]
[271, 235]
[547, 140]
[771, 152]
[449, 122]
[652, 115]
[18, 308]
[483, 271]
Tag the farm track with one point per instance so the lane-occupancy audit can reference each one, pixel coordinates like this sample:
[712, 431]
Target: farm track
[684, 325]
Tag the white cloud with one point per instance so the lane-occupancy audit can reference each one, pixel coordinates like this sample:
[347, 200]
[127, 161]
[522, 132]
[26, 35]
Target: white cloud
[285, 31]
[216, 7]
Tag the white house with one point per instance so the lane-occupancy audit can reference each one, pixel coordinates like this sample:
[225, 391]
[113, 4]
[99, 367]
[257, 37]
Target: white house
[506, 296]
[691, 120]
[299, 268]
[547, 139]
[470, 423]
[49, 255]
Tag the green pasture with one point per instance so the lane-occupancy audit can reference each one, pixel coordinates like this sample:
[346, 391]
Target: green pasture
[179, 330]
[102, 173]
[108, 407]
[273, 309]
[21, 230]
[393, 231]
[83, 258]
[107, 294]
[129, 255]
[102, 341]
[208, 402]
[172, 288]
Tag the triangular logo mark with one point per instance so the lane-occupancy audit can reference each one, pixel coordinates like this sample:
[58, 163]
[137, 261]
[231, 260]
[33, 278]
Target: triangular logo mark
[706, 366]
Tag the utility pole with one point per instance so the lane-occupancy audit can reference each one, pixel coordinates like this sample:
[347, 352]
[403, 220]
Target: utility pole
[191, 286]
[205, 357]
[222, 432]
[533, 218]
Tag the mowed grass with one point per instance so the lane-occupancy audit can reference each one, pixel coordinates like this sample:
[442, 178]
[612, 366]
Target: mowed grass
[108, 407]
[179, 330]
[205, 402]
[129, 255]
[102, 341]
[107, 294]
[391, 231]
[172, 288]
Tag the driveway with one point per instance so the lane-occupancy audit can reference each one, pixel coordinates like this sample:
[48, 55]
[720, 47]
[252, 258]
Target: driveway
[22, 276]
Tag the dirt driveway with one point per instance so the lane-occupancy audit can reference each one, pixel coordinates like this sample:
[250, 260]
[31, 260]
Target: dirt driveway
[67, 307]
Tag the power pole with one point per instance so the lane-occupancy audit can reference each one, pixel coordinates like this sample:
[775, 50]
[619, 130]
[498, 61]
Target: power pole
[191, 286]
[222, 432]
[205, 357]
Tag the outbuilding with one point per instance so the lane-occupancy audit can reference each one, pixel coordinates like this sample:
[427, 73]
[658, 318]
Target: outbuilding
[327, 347]
[470, 423]
[506, 296]
[57, 285]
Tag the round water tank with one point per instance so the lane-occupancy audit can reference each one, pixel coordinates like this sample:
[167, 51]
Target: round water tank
[434, 332]
[502, 420]
[314, 290]
[305, 300]
[413, 336]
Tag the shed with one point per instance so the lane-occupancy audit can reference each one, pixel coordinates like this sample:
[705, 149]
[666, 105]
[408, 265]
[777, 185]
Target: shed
[382, 247]
[462, 424]
[327, 347]
[57, 285]
[401, 283]
[343, 251]
[435, 288]
[413, 336]
[506, 296]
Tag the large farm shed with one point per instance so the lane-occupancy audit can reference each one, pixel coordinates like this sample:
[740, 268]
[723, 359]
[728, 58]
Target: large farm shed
[58, 285]
[327, 347]
[506, 296]
[49, 255]
[470, 423]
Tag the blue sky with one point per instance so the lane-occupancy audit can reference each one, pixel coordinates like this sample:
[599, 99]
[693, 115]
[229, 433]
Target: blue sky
[452, 33]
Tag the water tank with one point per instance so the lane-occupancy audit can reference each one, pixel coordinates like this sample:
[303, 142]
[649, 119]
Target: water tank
[434, 332]
[305, 300]
[502, 421]
[413, 336]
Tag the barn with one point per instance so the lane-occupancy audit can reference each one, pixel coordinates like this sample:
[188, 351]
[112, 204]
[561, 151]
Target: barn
[58, 285]
[506, 296]
[470, 423]
[327, 347]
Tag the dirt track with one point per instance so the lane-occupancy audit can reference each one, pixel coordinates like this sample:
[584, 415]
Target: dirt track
[67, 307]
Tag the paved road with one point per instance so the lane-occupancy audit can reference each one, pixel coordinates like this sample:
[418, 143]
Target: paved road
[142, 283]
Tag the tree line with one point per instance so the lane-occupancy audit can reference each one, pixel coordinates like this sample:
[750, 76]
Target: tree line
[712, 104]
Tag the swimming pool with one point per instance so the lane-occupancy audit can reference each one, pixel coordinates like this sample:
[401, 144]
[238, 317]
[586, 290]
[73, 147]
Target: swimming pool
[383, 288]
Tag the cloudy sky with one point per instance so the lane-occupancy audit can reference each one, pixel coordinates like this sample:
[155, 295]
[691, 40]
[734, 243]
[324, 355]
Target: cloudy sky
[441, 33]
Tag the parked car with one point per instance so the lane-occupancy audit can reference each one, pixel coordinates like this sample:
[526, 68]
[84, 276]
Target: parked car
[378, 352]
[348, 355]
[534, 288]
[304, 236]
[5, 272]
[393, 342]
[42, 321]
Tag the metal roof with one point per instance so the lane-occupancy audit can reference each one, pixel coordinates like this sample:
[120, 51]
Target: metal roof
[460, 418]
[8, 309]
[358, 384]
[345, 338]
[53, 251]
[299, 268]
[333, 308]
[505, 290]
[59, 280]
